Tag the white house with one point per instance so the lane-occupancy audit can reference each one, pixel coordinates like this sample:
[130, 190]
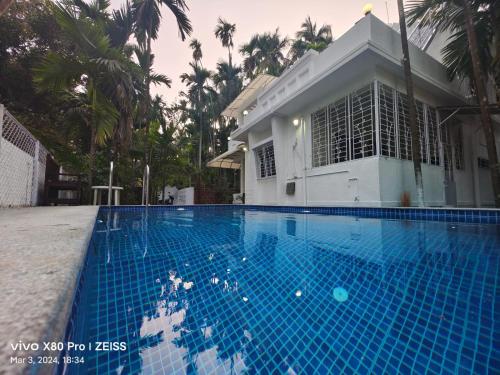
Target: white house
[333, 129]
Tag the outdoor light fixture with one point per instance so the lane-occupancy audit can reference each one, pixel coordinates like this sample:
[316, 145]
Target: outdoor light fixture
[228, 138]
[295, 122]
[245, 112]
[367, 8]
[245, 148]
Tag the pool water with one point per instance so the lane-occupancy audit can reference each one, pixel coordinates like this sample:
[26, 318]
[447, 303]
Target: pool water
[246, 291]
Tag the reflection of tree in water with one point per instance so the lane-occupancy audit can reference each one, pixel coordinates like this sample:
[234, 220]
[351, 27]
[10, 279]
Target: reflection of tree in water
[196, 279]
[213, 307]
[143, 288]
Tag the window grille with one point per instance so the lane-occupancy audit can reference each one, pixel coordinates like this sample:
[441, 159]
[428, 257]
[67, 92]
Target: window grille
[265, 160]
[404, 127]
[362, 125]
[432, 127]
[320, 137]
[345, 130]
[387, 121]
[338, 128]
[419, 106]
[459, 147]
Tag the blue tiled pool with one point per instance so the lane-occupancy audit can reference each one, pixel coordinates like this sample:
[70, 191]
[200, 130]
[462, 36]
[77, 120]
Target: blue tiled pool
[245, 290]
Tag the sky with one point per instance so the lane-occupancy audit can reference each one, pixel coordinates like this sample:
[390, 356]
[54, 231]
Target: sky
[172, 56]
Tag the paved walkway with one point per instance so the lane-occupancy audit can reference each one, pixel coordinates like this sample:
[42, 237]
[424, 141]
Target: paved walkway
[41, 252]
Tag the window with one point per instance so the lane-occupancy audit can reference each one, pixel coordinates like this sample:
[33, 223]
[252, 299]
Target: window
[338, 128]
[388, 138]
[265, 160]
[459, 147]
[362, 124]
[404, 127]
[421, 131]
[433, 135]
[345, 130]
[319, 130]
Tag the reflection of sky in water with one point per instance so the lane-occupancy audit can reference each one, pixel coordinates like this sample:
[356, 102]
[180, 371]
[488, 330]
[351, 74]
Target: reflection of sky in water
[225, 291]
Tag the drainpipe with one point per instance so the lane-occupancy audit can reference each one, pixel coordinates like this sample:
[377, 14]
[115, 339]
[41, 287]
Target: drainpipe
[303, 125]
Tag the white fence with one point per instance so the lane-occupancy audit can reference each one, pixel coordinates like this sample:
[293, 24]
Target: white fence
[22, 164]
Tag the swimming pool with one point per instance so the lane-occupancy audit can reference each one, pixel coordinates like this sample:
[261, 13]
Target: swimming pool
[245, 290]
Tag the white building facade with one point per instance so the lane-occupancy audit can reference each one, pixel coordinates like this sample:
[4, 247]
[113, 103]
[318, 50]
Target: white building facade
[333, 129]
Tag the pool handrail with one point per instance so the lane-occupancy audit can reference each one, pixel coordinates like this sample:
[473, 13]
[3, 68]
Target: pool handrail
[145, 186]
[110, 186]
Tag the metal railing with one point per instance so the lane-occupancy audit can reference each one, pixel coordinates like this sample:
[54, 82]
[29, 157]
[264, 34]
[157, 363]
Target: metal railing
[22, 163]
[110, 186]
[422, 34]
[145, 186]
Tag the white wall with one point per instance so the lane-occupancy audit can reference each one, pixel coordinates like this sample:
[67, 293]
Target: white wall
[185, 196]
[397, 176]
[16, 175]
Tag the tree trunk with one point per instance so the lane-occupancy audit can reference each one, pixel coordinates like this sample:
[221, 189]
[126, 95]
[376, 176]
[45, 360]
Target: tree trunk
[412, 113]
[482, 97]
[229, 51]
[147, 104]
[200, 143]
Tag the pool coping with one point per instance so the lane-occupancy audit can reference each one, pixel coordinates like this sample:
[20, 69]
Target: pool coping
[443, 214]
[43, 249]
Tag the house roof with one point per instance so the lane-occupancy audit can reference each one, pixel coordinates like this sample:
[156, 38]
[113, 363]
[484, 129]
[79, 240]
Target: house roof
[248, 95]
[230, 159]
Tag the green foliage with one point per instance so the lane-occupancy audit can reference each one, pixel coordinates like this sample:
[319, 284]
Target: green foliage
[448, 16]
[310, 37]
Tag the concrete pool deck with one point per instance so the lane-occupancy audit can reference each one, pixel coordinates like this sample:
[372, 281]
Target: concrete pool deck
[41, 253]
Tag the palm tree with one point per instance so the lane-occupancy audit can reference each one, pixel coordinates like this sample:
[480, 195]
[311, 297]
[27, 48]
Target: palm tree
[264, 53]
[195, 45]
[224, 31]
[147, 16]
[228, 82]
[198, 92]
[310, 37]
[461, 17]
[96, 74]
[412, 111]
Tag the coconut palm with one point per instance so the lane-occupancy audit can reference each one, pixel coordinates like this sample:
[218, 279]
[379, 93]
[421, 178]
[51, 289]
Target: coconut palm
[264, 53]
[147, 16]
[310, 37]
[412, 111]
[224, 31]
[463, 19]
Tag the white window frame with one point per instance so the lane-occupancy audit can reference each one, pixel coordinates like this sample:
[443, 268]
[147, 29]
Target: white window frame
[265, 160]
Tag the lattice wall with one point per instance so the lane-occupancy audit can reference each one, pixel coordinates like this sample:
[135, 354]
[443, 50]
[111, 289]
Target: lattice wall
[22, 164]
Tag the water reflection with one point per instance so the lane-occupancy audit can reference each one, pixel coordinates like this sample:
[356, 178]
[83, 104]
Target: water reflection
[192, 293]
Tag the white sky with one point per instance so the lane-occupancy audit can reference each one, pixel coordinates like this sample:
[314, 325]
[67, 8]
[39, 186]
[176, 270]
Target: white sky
[172, 56]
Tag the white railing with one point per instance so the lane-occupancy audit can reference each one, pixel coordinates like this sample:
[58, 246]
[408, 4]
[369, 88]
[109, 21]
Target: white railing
[22, 164]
